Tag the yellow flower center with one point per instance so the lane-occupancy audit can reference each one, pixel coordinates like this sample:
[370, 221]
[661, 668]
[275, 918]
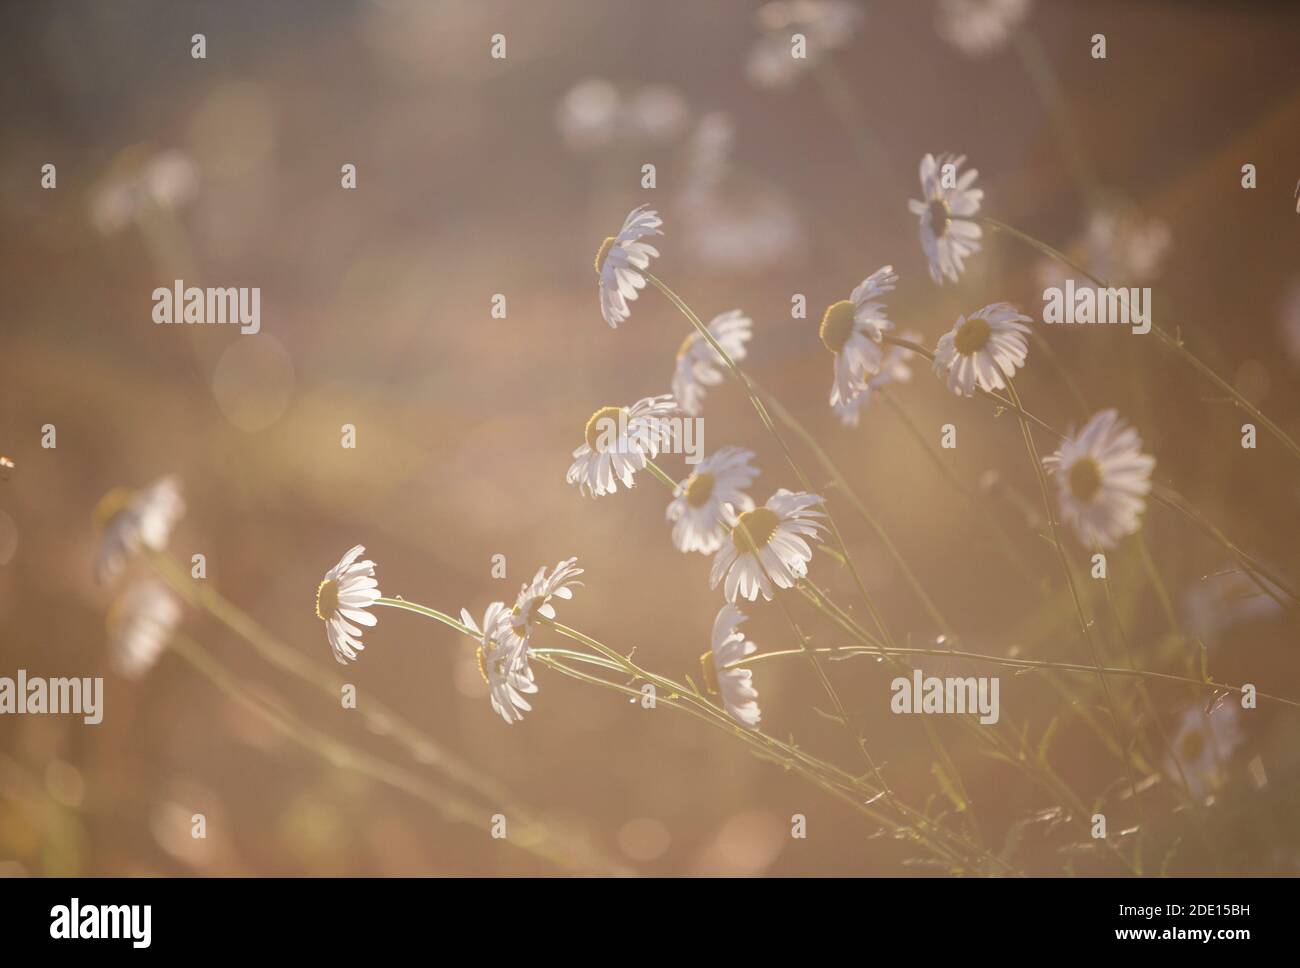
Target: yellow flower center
[599, 424]
[754, 529]
[480, 656]
[1085, 479]
[1191, 747]
[939, 217]
[973, 336]
[699, 488]
[710, 670]
[110, 506]
[837, 325]
[604, 251]
[327, 599]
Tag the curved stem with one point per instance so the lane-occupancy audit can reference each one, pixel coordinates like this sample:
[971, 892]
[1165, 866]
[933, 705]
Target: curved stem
[847, 651]
[1084, 625]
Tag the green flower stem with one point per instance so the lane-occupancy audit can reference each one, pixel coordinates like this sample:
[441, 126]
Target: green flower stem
[846, 651]
[382, 720]
[981, 508]
[788, 755]
[1173, 342]
[427, 612]
[533, 838]
[842, 484]
[1084, 626]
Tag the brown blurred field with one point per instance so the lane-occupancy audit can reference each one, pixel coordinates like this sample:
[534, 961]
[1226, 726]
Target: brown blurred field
[375, 312]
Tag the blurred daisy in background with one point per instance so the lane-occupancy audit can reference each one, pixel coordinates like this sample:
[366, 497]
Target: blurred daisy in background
[502, 662]
[734, 686]
[852, 329]
[1203, 746]
[595, 114]
[731, 220]
[1122, 249]
[1219, 602]
[983, 348]
[164, 182]
[140, 624]
[129, 521]
[767, 546]
[708, 501]
[698, 363]
[618, 442]
[535, 596]
[825, 24]
[342, 597]
[946, 237]
[1102, 478]
[619, 260]
[979, 27]
[895, 368]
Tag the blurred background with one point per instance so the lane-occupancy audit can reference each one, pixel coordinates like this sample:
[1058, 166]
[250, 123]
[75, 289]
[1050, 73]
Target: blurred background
[478, 176]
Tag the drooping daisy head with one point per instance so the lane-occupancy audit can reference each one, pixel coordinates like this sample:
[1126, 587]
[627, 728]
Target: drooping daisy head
[706, 503]
[1203, 747]
[947, 201]
[983, 349]
[342, 599]
[535, 596]
[734, 686]
[503, 662]
[767, 546]
[979, 27]
[1102, 479]
[895, 368]
[698, 363]
[140, 624]
[852, 329]
[618, 441]
[621, 260]
[129, 521]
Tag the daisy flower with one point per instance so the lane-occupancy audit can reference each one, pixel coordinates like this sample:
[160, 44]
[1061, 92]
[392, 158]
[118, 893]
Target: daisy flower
[348, 589]
[698, 363]
[140, 624]
[1103, 478]
[502, 662]
[982, 349]
[1203, 745]
[619, 440]
[852, 329]
[619, 261]
[946, 237]
[895, 367]
[708, 501]
[535, 598]
[129, 521]
[767, 546]
[739, 696]
[979, 27]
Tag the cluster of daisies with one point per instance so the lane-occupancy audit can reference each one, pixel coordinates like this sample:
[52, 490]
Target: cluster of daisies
[1101, 472]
